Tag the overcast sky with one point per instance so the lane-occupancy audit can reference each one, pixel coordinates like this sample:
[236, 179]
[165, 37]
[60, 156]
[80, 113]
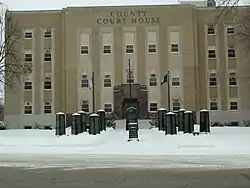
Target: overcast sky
[58, 4]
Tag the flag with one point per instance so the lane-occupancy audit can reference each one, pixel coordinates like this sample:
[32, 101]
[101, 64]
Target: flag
[90, 84]
[165, 79]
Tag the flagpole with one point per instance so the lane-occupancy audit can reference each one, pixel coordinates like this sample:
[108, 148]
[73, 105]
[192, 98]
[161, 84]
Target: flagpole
[169, 109]
[129, 75]
[93, 91]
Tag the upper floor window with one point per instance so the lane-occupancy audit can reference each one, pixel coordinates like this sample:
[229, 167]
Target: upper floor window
[108, 107]
[174, 48]
[47, 107]
[28, 57]
[211, 29]
[152, 48]
[175, 81]
[213, 104]
[107, 49]
[84, 50]
[85, 105]
[47, 33]
[211, 54]
[176, 104]
[232, 79]
[28, 34]
[47, 55]
[152, 80]
[107, 81]
[212, 79]
[129, 49]
[84, 81]
[231, 52]
[28, 108]
[47, 82]
[153, 107]
[230, 30]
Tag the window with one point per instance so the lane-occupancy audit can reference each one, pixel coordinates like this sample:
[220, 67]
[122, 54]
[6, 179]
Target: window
[174, 48]
[84, 81]
[153, 107]
[152, 48]
[84, 50]
[107, 81]
[28, 108]
[27, 85]
[47, 107]
[232, 79]
[47, 33]
[47, 82]
[212, 79]
[85, 106]
[47, 55]
[175, 81]
[152, 80]
[129, 49]
[107, 49]
[230, 30]
[211, 29]
[233, 105]
[176, 105]
[28, 57]
[28, 34]
[211, 54]
[231, 52]
[213, 104]
[108, 107]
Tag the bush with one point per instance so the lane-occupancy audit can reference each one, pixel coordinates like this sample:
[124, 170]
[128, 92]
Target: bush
[153, 120]
[2, 126]
[110, 120]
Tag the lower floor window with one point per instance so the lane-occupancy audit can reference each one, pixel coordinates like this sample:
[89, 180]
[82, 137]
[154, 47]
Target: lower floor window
[213, 105]
[176, 106]
[153, 107]
[233, 106]
[47, 108]
[108, 107]
[85, 106]
[28, 108]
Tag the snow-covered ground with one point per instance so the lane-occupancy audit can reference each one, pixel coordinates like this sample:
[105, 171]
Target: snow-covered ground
[224, 147]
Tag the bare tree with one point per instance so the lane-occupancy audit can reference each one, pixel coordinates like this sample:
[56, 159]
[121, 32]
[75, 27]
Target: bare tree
[11, 66]
[241, 16]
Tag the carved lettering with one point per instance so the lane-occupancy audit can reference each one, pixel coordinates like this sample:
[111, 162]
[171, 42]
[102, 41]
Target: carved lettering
[128, 17]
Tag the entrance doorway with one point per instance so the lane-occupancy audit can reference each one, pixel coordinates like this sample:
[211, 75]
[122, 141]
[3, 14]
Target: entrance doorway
[128, 103]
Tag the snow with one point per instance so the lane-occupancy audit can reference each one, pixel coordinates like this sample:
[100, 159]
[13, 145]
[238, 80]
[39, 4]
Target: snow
[225, 146]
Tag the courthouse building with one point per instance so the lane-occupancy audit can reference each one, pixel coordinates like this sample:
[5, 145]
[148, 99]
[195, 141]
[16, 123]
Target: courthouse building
[63, 48]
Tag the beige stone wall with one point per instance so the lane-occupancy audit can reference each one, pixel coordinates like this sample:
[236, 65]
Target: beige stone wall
[160, 26]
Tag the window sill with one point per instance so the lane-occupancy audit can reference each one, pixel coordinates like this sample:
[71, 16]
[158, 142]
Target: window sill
[211, 58]
[47, 61]
[233, 85]
[213, 86]
[47, 89]
[234, 110]
[174, 52]
[84, 54]
[27, 89]
[27, 114]
[49, 114]
[106, 54]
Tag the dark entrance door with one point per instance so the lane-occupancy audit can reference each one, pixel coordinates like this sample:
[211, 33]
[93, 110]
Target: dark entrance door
[130, 102]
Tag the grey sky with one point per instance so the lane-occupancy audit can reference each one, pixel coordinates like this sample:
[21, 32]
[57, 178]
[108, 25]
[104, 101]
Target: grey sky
[58, 4]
